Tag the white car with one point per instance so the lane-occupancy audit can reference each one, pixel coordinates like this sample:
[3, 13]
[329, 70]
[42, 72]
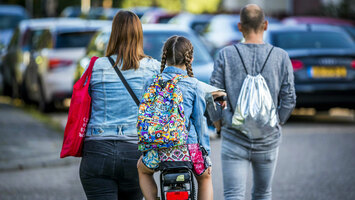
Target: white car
[55, 50]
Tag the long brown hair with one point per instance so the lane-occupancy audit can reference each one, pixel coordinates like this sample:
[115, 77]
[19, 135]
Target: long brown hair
[178, 50]
[126, 40]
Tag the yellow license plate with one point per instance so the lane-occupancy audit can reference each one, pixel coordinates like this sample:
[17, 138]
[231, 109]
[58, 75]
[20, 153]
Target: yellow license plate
[328, 72]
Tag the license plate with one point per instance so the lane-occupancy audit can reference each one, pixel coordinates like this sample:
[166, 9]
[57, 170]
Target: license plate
[328, 72]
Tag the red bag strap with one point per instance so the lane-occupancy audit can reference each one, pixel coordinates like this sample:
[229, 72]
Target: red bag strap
[88, 72]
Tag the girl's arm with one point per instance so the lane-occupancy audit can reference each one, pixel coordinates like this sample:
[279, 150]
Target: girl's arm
[199, 120]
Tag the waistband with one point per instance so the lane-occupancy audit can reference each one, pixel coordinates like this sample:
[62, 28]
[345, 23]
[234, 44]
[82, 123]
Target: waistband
[123, 129]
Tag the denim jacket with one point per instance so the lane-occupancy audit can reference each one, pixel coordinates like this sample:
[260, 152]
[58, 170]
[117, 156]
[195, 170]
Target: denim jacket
[113, 111]
[194, 106]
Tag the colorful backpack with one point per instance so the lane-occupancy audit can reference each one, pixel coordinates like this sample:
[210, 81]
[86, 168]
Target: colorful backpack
[161, 119]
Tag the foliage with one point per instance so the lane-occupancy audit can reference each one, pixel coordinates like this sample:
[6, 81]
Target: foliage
[194, 6]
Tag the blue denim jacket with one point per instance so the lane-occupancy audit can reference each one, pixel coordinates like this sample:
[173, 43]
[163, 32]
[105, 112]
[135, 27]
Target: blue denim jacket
[113, 111]
[194, 106]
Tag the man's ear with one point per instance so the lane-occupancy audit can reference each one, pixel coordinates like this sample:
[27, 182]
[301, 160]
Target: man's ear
[266, 24]
[240, 27]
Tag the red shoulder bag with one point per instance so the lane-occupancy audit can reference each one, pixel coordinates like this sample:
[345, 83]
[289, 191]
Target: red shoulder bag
[79, 115]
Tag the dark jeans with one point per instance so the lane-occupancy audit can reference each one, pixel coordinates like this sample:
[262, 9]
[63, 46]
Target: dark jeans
[108, 170]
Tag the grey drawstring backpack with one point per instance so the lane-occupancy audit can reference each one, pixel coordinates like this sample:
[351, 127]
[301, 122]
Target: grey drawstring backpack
[255, 112]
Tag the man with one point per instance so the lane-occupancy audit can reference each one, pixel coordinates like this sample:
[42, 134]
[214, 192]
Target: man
[239, 151]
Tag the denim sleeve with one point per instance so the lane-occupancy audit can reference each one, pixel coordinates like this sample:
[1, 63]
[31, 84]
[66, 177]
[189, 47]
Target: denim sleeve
[199, 120]
[217, 80]
[287, 94]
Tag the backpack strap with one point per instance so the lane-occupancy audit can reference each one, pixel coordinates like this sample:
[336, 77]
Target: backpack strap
[119, 73]
[240, 56]
[262, 69]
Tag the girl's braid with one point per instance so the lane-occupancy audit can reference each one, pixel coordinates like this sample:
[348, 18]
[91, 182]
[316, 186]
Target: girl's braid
[188, 56]
[163, 60]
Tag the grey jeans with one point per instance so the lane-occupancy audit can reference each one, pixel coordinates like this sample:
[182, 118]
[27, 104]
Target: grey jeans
[108, 170]
[235, 164]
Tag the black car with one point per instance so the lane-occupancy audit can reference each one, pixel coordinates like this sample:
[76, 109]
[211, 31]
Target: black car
[323, 59]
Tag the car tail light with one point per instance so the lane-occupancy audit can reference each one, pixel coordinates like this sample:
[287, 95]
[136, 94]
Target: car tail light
[183, 195]
[55, 62]
[297, 65]
[353, 64]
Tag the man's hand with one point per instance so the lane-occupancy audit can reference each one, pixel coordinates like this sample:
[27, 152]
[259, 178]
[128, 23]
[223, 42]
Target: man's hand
[219, 95]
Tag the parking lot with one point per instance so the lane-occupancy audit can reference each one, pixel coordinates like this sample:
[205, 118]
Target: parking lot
[44, 50]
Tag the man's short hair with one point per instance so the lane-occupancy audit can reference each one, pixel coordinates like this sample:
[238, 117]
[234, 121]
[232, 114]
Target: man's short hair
[252, 18]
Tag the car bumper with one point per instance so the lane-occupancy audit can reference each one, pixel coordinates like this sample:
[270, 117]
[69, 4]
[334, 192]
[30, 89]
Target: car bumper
[326, 95]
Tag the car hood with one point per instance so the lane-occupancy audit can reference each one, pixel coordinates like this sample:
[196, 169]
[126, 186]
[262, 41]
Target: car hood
[321, 52]
[203, 71]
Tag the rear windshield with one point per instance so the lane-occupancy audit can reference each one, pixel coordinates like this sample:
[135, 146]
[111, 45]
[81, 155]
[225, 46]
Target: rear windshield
[9, 21]
[73, 39]
[312, 40]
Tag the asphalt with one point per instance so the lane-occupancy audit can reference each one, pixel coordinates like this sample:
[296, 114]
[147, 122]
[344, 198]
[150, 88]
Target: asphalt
[27, 143]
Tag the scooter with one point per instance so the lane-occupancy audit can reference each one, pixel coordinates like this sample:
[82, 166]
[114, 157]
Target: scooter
[176, 181]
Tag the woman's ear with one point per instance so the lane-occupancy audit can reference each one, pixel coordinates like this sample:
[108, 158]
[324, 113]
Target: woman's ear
[192, 59]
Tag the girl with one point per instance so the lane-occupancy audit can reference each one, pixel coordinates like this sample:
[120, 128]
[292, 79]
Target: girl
[108, 167]
[178, 55]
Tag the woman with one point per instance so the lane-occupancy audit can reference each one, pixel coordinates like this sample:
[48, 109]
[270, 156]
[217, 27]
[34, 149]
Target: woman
[108, 167]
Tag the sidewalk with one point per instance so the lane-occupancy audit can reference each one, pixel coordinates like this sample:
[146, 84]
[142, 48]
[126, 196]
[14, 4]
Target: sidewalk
[27, 143]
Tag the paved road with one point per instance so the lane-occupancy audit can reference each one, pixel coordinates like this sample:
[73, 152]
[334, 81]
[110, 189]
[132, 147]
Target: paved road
[316, 160]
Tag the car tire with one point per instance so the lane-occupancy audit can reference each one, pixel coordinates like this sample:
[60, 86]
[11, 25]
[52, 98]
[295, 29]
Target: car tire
[44, 106]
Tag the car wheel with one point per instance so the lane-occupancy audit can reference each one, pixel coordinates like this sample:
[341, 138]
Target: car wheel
[15, 89]
[24, 94]
[42, 104]
[7, 90]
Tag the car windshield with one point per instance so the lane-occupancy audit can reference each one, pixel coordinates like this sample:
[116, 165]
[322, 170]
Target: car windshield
[312, 40]
[73, 39]
[154, 41]
[9, 21]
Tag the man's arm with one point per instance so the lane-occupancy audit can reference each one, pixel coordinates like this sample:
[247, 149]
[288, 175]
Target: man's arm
[217, 80]
[287, 94]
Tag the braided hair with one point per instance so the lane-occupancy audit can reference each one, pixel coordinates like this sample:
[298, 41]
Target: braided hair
[178, 50]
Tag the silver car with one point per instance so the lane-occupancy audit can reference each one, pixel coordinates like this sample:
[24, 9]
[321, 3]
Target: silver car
[55, 50]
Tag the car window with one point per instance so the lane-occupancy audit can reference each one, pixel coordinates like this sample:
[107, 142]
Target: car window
[311, 40]
[154, 41]
[73, 39]
[9, 21]
[350, 30]
[41, 39]
[98, 44]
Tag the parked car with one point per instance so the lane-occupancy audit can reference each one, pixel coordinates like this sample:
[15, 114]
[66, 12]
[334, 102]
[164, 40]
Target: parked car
[101, 13]
[157, 16]
[16, 56]
[198, 23]
[323, 59]
[140, 11]
[154, 37]
[54, 51]
[10, 17]
[347, 25]
[223, 30]
[71, 11]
